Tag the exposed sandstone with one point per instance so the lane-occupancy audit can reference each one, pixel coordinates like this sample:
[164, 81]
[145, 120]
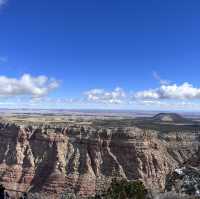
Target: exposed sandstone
[85, 159]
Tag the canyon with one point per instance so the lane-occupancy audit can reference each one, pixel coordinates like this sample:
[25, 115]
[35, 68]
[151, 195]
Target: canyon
[52, 157]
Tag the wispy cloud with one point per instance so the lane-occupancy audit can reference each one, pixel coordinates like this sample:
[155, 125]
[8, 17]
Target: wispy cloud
[169, 105]
[158, 78]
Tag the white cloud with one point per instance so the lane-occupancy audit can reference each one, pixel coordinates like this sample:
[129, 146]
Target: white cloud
[27, 85]
[33, 91]
[108, 97]
[173, 91]
[167, 96]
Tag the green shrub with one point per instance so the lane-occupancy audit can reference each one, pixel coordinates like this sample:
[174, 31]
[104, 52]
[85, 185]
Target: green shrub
[123, 189]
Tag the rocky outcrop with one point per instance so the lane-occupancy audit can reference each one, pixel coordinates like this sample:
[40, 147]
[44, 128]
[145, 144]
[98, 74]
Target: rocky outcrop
[184, 180]
[85, 159]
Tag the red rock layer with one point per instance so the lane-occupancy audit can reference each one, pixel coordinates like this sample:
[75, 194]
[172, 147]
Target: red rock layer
[84, 159]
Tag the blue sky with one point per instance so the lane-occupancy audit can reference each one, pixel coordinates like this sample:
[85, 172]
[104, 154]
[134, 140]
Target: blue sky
[100, 54]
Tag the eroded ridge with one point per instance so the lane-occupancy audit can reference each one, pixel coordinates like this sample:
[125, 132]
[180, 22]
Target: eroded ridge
[85, 158]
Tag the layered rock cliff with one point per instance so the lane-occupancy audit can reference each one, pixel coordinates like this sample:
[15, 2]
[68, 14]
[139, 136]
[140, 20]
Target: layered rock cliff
[85, 159]
[186, 178]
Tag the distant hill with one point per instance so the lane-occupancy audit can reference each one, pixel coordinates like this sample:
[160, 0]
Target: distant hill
[168, 117]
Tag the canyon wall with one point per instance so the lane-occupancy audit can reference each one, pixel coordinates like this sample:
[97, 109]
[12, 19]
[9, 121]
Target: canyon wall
[85, 158]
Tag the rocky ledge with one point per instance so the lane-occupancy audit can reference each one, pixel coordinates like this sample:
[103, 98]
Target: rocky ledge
[85, 159]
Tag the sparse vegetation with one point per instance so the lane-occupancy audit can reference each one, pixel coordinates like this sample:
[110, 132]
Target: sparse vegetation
[123, 189]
